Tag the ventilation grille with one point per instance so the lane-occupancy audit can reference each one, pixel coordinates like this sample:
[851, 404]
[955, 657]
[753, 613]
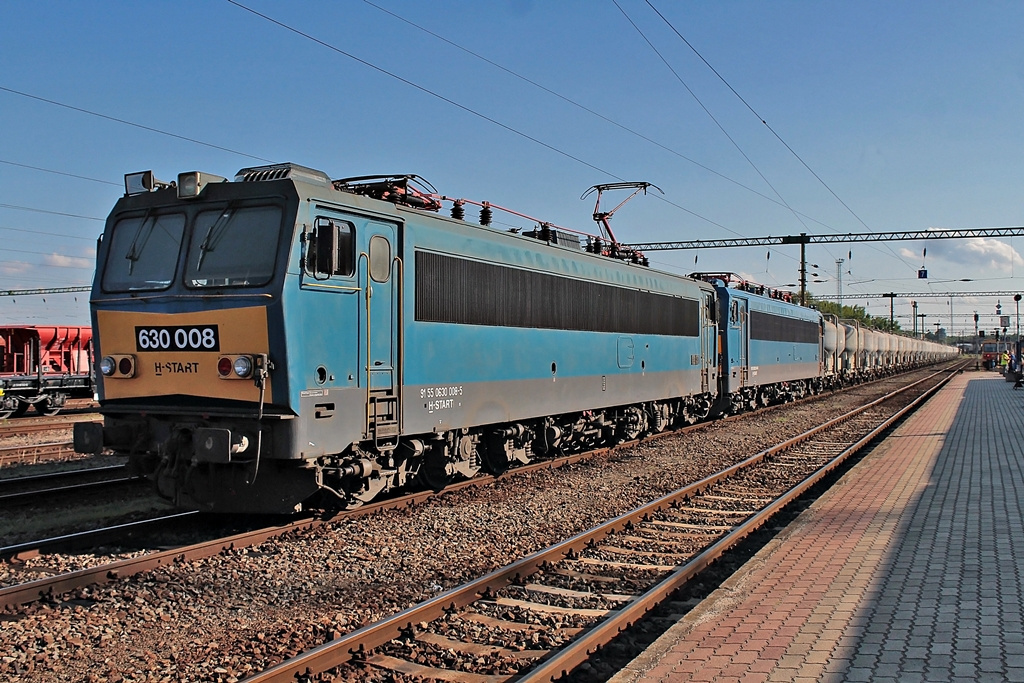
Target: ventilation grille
[769, 327]
[455, 290]
[281, 171]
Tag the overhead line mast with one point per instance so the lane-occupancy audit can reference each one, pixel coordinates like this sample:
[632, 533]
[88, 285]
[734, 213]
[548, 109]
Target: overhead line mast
[47, 290]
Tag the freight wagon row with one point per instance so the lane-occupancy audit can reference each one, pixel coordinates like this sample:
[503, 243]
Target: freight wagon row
[41, 367]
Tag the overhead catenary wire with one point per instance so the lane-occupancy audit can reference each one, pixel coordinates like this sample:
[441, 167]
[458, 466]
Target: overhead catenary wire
[458, 105]
[588, 110]
[131, 123]
[49, 234]
[52, 213]
[63, 173]
[708, 112]
[765, 123]
[329, 46]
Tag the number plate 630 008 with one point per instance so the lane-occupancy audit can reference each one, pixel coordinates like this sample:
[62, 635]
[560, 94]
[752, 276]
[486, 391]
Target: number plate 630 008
[177, 338]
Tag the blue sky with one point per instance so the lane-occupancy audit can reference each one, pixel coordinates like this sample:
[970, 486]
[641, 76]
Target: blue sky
[910, 113]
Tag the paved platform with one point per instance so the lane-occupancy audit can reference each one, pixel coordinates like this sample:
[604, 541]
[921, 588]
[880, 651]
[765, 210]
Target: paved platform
[910, 569]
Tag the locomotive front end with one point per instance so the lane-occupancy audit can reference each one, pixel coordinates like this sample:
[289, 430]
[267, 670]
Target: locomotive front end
[186, 314]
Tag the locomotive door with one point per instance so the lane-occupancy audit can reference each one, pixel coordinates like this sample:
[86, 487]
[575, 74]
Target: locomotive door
[740, 323]
[379, 278]
[709, 343]
[745, 341]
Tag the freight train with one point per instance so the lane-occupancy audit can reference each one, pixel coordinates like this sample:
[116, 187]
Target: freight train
[282, 340]
[42, 366]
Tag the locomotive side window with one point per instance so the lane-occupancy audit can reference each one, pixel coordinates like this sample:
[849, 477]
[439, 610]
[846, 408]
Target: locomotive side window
[380, 258]
[143, 252]
[333, 248]
[233, 247]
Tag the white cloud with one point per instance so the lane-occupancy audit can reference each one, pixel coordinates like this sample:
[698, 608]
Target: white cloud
[977, 253]
[15, 267]
[63, 261]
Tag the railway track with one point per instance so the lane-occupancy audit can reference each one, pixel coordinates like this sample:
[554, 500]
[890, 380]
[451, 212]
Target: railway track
[33, 453]
[27, 426]
[543, 616]
[43, 489]
[130, 561]
[366, 568]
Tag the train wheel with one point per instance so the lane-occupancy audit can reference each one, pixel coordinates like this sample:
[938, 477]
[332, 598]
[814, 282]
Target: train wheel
[495, 459]
[433, 472]
[43, 408]
[4, 414]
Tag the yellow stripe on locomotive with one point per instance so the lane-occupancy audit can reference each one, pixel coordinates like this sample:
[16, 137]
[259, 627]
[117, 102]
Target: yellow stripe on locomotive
[164, 354]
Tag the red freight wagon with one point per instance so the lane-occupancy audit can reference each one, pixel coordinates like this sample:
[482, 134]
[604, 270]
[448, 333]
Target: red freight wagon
[43, 366]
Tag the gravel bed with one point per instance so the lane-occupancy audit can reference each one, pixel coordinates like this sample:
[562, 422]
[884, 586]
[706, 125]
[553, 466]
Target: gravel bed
[225, 617]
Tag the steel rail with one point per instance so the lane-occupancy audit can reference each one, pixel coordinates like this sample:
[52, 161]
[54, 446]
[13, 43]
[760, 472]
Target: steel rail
[57, 476]
[65, 489]
[29, 425]
[581, 649]
[34, 452]
[342, 650]
[55, 585]
[35, 590]
[85, 539]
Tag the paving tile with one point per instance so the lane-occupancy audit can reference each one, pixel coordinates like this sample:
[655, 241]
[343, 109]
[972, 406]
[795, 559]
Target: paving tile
[911, 568]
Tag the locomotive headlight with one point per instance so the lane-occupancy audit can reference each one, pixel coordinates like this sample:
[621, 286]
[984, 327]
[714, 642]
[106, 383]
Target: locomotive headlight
[191, 184]
[240, 365]
[243, 366]
[143, 181]
[107, 366]
[118, 366]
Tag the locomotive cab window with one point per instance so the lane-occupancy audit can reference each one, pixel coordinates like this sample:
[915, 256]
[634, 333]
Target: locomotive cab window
[143, 252]
[333, 248]
[234, 247]
[712, 308]
[380, 258]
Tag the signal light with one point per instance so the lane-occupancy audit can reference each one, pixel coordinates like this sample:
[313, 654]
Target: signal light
[243, 366]
[143, 181]
[191, 184]
[118, 366]
[107, 366]
[240, 366]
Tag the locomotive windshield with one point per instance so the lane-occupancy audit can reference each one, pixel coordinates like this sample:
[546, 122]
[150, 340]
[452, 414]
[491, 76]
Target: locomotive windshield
[143, 252]
[232, 247]
[227, 247]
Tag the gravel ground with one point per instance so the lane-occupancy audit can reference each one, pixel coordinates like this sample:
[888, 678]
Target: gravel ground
[222, 618]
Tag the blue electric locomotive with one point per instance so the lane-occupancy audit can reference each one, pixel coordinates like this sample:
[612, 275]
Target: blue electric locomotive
[284, 339]
[771, 348]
